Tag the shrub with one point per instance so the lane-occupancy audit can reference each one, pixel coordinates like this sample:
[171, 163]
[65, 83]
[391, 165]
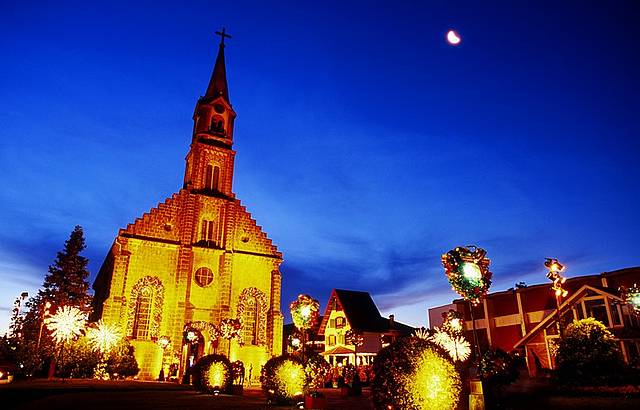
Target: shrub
[121, 362]
[498, 368]
[588, 355]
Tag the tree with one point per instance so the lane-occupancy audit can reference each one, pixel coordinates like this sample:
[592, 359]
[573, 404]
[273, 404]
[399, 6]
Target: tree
[66, 284]
[588, 354]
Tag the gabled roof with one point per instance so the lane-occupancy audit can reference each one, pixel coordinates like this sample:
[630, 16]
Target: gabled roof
[571, 300]
[338, 350]
[361, 313]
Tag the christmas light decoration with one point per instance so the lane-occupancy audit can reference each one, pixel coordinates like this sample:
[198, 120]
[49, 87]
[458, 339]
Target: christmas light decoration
[291, 378]
[295, 342]
[354, 338]
[213, 374]
[284, 378]
[66, 324]
[230, 329]
[164, 342]
[632, 297]
[305, 312]
[421, 333]
[467, 269]
[457, 346]
[103, 337]
[453, 323]
[413, 373]
[435, 384]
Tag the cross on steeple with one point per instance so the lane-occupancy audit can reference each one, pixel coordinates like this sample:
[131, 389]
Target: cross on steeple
[222, 35]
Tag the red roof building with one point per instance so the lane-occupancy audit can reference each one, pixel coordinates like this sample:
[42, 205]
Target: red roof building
[526, 317]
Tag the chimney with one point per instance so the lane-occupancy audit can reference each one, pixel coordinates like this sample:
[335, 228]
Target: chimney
[391, 321]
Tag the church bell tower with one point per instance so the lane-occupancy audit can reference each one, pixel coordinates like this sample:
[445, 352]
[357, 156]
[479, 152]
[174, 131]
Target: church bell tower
[210, 159]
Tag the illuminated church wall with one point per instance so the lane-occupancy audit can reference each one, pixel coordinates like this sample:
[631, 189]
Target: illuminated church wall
[196, 258]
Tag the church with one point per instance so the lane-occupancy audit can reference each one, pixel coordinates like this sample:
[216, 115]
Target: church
[194, 260]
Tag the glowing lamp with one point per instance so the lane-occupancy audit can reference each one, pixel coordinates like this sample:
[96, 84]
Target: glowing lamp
[191, 336]
[471, 272]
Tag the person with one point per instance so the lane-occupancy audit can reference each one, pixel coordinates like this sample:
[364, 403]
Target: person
[250, 371]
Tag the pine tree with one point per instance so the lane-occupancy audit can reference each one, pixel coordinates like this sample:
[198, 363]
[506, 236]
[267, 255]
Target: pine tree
[66, 284]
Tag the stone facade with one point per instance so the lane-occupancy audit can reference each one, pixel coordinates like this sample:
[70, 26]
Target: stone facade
[194, 259]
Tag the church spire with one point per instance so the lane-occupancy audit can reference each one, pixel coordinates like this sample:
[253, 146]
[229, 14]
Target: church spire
[218, 83]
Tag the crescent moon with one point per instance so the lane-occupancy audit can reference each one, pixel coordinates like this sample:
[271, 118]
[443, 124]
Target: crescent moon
[453, 38]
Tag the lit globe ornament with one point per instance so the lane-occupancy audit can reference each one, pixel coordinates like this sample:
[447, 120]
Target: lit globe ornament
[304, 312]
[471, 272]
[467, 270]
[453, 38]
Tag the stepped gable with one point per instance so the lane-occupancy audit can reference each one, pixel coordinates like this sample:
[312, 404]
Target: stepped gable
[249, 236]
[161, 222]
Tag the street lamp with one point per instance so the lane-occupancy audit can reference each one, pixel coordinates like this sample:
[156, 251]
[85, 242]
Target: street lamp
[304, 312]
[558, 280]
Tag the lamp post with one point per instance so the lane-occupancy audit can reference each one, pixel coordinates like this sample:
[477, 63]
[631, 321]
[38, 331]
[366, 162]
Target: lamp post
[45, 312]
[558, 280]
[304, 312]
[467, 269]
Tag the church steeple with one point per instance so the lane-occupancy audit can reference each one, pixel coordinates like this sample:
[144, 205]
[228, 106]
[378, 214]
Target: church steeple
[210, 159]
[218, 83]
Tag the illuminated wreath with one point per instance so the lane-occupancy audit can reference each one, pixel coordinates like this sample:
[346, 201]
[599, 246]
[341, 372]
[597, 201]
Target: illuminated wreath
[305, 312]
[632, 297]
[261, 308]
[157, 302]
[467, 269]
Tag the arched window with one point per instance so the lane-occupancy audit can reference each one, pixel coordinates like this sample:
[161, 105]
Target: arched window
[216, 179]
[142, 316]
[208, 177]
[250, 321]
[217, 125]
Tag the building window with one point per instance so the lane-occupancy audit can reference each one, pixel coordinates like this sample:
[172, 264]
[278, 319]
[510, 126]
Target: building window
[203, 277]
[615, 315]
[332, 340]
[216, 179]
[208, 177]
[207, 232]
[217, 125]
[597, 309]
[212, 178]
[249, 321]
[142, 316]
[340, 322]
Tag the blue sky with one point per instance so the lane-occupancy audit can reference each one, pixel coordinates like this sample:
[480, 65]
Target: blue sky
[366, 145]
